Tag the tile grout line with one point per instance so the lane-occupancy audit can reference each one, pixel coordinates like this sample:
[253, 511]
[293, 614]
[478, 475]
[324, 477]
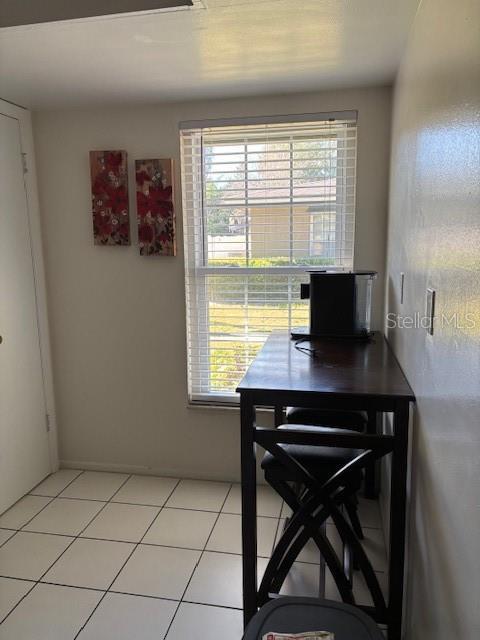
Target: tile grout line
[14, 532]
[78, 536]
[144, 595]
[2, 620]
[227, 553]
[52, 498]
[144, 504]
[30, 493]
[147, 504]
[66, 548]
[35, 582]
[136, 545]
[24, 525]
[138, 595]
[128, 557]
[165, 637]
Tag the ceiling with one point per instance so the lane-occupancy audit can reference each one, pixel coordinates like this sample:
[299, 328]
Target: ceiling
[218, 48]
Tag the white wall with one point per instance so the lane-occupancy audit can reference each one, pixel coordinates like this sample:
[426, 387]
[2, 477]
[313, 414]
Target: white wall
[118, 319]
[434, 237]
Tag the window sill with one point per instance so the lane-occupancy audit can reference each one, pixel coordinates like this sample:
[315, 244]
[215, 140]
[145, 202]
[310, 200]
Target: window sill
[206, 406]
[218, 406]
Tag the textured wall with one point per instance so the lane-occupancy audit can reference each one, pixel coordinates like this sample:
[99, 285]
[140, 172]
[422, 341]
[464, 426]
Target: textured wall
[434, 238]
[118, 319]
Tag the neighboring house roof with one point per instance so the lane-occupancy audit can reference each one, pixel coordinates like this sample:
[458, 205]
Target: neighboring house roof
[323, 191]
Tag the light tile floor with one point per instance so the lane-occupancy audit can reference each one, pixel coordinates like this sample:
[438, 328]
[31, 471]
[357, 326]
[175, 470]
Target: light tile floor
[103, 556]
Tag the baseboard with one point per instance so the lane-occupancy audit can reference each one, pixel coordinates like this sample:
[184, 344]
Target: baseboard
[145, 470]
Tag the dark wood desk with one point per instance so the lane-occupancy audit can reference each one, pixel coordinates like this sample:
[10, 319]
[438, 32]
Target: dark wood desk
[346, 374]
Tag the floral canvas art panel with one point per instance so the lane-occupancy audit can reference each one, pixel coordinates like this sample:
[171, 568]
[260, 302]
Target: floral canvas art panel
[155, 210]
[108, 171]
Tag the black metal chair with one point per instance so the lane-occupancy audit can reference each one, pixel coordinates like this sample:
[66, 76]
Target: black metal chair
[294, 615]
[329, 478]
[321, 463]
[336, 419]
[341, 419]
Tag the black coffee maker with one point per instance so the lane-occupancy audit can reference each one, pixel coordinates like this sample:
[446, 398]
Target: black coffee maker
[340, 304]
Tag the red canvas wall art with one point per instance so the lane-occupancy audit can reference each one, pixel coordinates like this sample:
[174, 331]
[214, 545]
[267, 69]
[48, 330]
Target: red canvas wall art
[108, 171]
[155, 211]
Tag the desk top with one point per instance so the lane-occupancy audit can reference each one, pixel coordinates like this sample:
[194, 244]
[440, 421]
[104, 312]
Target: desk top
[346, 368]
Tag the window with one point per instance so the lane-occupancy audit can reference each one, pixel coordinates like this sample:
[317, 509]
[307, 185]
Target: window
[262, 203]
[323, 233]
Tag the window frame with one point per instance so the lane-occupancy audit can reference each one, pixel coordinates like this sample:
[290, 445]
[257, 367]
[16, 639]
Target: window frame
[202, 270]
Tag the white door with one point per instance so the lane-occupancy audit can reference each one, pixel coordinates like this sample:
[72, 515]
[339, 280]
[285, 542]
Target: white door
[24, 449]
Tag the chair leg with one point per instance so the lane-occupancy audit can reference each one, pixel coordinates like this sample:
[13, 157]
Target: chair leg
[352, 511]
[282, 559]
[351, 506]
[348, 563]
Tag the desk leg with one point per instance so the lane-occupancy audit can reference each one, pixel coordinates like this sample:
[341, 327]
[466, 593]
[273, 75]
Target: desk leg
[279, 419]
[372, 472]
[398, 495]
[249, 509]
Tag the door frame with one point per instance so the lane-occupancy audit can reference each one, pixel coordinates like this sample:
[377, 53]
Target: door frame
[33, 209]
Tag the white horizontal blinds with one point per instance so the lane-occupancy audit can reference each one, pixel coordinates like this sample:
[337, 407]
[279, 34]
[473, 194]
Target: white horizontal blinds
[261, 203]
